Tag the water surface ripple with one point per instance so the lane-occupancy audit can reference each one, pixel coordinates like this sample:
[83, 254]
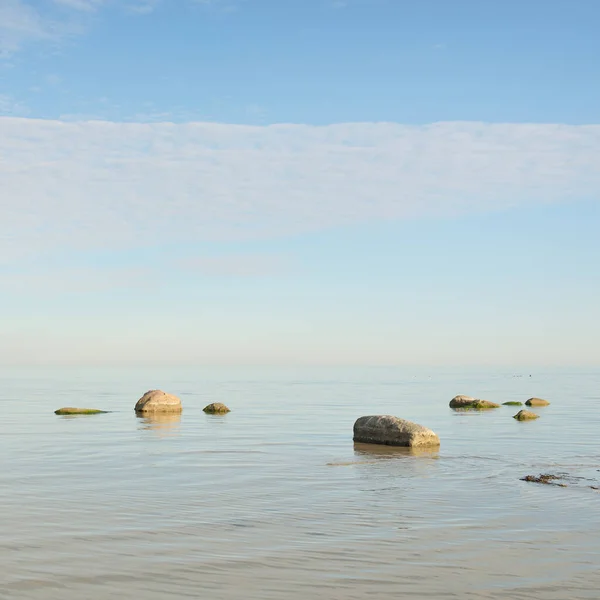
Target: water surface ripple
[274, 500]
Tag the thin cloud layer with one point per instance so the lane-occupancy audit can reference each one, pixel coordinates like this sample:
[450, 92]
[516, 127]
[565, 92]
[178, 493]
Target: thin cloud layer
[122, 185]
[237, 265]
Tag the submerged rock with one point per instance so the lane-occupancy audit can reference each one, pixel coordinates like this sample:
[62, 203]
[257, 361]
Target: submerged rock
[512, 403]
[537, 402]
[216, 408]
[158, 401]
[78, 411]
[392, 431]
[525, 415]
[468, 402]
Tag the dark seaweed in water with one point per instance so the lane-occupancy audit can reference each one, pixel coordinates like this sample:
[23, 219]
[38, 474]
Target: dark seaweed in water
[547, 478]
[558, 479]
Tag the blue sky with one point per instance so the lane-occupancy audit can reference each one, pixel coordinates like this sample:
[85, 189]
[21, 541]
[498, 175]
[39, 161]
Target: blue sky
[329, 182]
[310, 61]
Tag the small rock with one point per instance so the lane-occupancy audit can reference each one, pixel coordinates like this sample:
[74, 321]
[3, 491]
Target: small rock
[512, 403]
[158, 401]
[78, 411]
[525, 415]
[468, 402]
[392, 431]
[216, 408]
[537, 402]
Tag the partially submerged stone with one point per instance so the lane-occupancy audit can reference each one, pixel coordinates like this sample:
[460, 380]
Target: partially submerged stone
[68, 410]
[216, 408]
[392, 431]
[468, 402]
[525, 415]
[537, 402]
[512, 403]
[158, 401]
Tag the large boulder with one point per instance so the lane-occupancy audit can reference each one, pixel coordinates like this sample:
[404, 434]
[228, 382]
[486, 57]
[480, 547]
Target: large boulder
[158, 401]
[392, 431]
[525, 415]
[216, 408]
[468, 402]
[537, 402]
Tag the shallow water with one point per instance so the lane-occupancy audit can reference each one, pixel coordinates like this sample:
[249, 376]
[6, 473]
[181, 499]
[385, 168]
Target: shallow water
[273, 500]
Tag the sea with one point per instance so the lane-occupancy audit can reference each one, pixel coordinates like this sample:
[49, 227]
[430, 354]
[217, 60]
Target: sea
[274, 500]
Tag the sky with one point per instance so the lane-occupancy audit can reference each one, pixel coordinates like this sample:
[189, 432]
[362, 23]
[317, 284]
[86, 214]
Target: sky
[329, 182]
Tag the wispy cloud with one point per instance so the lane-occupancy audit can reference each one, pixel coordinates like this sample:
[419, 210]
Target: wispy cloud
[143, 7]
[132, 6]
[10, 106]
[21, 23]
[53, 79]
[75, 280]
[60, 279]
[85, 185]
[223, 6]
[84, 5]
[239, 265]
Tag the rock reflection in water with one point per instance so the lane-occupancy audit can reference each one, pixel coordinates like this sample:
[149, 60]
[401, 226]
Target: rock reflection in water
[166, 424]
[383, 451]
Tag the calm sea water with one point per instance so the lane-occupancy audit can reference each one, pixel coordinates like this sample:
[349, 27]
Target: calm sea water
[274, 501]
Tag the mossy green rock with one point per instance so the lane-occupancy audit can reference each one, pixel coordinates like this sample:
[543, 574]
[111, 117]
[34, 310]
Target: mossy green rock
[216, 408]
[537, 402]
[468, 402]
[512, 403]
[78, 411]
[526, 415]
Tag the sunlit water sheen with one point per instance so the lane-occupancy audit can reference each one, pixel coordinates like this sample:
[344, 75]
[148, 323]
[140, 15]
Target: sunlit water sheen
[274, 501]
